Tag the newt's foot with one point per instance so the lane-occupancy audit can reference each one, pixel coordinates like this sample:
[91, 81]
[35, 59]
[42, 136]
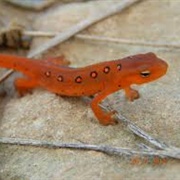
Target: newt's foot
[132, 95]
[23, 92]
[107, 119]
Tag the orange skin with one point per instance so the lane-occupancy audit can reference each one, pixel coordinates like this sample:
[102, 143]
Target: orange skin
[101, 79]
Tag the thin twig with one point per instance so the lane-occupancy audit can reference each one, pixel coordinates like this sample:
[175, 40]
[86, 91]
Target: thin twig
[170, 150]
[163, 150]
[102, 148]
[6, 75]
[108, 39]
[62, 36]
[128, 41]
[138, 131]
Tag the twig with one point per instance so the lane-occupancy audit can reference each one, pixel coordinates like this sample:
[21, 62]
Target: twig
[62, 36]
[128, 41]
[139, 132]
[170, 150]
[108, 39]
[6, 75]
[102, 148]
[136, 130]
[163, 150]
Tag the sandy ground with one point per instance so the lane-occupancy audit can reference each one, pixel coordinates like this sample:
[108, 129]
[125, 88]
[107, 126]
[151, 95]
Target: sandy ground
[46, 116]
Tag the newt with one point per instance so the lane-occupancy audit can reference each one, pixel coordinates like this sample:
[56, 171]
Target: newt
[99, 79]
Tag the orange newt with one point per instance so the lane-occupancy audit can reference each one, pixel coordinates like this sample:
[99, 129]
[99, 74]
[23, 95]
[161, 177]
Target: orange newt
[99, 79]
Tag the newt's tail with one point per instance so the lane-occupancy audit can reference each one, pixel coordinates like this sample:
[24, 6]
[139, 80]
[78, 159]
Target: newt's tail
[17, 63]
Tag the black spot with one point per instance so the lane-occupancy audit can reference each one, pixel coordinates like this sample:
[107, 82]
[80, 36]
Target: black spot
[119, 67]
[106, 69]
[119, 85]
[60, 78]
[93, 74]
[78, 79]
[48, 73]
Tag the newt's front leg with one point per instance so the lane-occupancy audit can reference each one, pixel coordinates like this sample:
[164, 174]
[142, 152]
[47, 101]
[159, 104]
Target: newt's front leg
[131, 94]
[103, 117]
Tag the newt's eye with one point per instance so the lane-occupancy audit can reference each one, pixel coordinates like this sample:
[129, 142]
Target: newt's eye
[145, 73]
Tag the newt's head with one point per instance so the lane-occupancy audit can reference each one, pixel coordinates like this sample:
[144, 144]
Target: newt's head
[144, 68]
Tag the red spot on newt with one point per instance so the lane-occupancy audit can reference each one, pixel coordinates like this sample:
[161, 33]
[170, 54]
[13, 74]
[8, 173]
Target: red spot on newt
[48, 73]
[93, 74]
[78, 79]
[111, 76]
[119, 67]
[60, 78]
[106, 69]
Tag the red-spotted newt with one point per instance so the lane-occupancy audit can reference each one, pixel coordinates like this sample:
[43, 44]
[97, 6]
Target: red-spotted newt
[99, 79]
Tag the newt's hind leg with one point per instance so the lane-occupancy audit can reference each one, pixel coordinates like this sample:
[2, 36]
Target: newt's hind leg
[24, 85]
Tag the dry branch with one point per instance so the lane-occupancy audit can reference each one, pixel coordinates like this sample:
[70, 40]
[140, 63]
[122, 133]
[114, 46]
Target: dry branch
[106, 39]
[127, 152]
[129, 41]
[160, 149]
[169, 150]
[62, 36]
[6, 75]
[139, 132]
